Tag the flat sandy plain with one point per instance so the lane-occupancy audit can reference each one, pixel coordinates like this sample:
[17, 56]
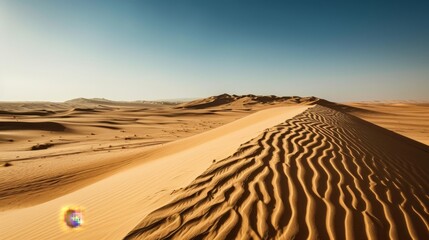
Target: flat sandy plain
[224, 167]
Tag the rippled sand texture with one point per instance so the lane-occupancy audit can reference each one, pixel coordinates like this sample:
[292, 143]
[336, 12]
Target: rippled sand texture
[322, 174]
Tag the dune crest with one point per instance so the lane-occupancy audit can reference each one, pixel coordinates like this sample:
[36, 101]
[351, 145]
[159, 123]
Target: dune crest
[323, 174]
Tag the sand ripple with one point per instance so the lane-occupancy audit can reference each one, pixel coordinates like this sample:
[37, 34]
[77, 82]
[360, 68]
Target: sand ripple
[323, 174]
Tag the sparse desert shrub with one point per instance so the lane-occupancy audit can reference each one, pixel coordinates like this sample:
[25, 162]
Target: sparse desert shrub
[7, 164]
[42, 146]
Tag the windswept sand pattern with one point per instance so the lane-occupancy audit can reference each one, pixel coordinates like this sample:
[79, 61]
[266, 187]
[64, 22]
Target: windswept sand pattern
[323, 174]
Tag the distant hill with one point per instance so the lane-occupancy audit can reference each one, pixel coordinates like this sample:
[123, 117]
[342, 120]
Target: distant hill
[244, 100]
[103, 101]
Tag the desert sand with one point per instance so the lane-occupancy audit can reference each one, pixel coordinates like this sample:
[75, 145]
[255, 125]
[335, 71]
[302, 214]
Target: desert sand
[224, 167]
[407, 118]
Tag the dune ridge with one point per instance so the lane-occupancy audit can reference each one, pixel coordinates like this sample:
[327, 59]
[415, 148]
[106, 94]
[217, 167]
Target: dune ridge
[321, 174]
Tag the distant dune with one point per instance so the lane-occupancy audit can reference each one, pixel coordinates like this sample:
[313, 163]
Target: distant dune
[226, 100]
[103, 101]
[223, 167]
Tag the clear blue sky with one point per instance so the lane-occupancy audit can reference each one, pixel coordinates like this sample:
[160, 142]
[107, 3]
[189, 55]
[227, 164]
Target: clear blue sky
[129, 50]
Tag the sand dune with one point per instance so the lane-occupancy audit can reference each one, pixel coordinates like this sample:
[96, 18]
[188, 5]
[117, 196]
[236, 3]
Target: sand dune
[242, 101]
[224, 167]
[320, 175]
[114, 205]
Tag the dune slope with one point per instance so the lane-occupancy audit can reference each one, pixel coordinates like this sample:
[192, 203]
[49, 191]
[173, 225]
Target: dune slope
[323, 174]
[406, 118]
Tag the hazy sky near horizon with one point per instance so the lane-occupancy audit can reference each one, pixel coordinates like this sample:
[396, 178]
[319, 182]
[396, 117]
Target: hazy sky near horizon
[131, 50]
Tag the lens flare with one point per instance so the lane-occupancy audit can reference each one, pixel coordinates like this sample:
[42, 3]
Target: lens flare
[73, 217]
